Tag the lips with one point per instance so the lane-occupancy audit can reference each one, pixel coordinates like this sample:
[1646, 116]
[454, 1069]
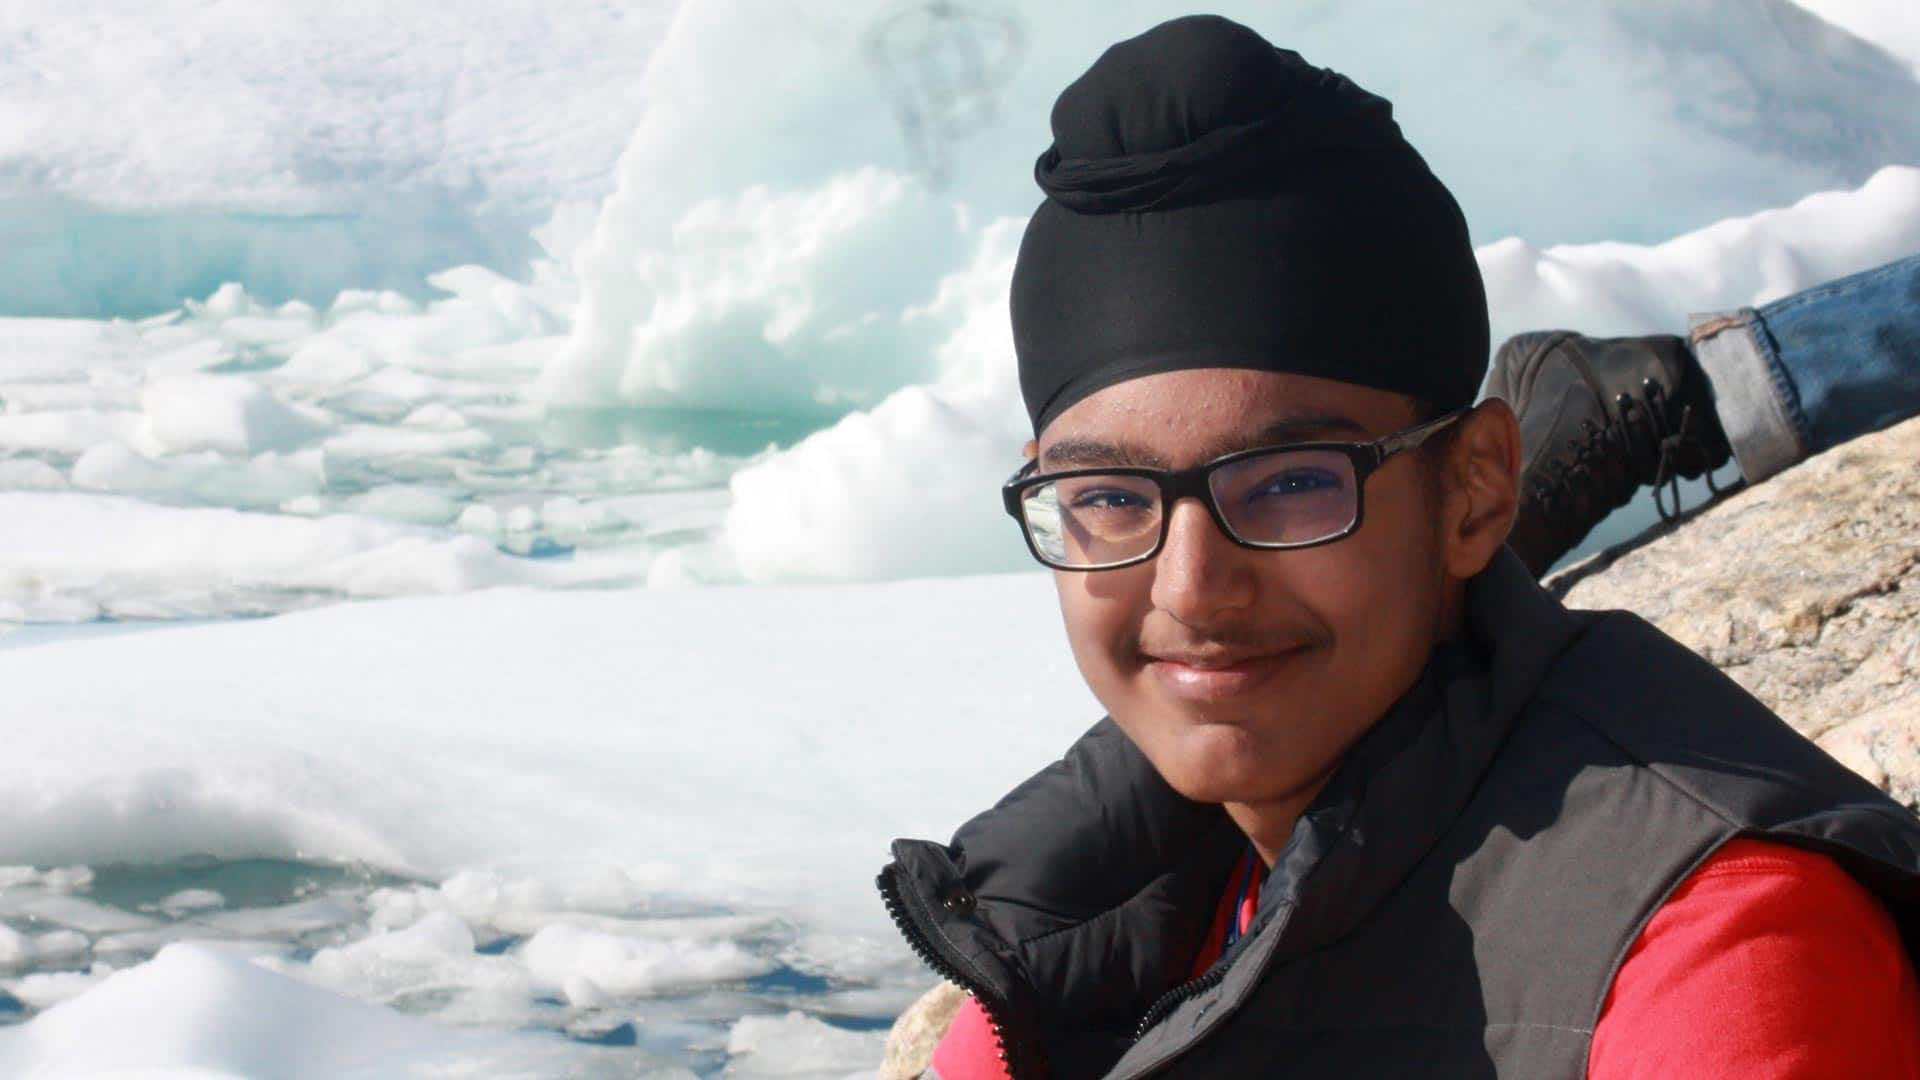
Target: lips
[1216, 676]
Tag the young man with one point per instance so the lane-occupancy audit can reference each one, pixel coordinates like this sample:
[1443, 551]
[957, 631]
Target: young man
[1368, 802]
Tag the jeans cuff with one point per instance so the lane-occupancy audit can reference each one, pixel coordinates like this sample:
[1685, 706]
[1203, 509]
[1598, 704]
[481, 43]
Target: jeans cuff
[1747, 393]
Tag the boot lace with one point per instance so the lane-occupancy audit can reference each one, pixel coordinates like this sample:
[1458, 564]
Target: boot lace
[1597, 472]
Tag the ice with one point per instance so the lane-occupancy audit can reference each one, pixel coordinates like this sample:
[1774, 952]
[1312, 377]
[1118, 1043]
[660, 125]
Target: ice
[356, 439]
[595, 962]
[188, 901]
[601, 821]
[262, 482]
[16, 951]
[320, 148]
[652, 754]
[197, 1012]
[765, 243]
[45, 989]
[797, 1045]
[225, 413]
[816, 276]
[1890, 24]
[767, 301]
[72, 557]
[906, 489]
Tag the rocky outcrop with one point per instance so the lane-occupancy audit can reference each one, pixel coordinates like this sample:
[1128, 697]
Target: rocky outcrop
[913, 1037]
[1804, 589]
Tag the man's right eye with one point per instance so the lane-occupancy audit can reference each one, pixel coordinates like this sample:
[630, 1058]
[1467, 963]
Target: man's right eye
[1110, 499]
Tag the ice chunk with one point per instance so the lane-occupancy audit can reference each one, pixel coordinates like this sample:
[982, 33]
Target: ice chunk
[797, 1045]
[188, 901]
[194, 1011]
[26, 474]
[261, 482]
[768, 301]
[45, 989]
[226, 413]
[623, 964]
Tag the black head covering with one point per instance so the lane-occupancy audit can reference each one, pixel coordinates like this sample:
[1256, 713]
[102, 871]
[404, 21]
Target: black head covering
[1214, 201]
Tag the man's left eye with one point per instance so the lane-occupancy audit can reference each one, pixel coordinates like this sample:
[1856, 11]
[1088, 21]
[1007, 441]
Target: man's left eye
[1299, 482]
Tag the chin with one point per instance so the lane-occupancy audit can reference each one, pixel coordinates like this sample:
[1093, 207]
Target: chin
[1217, 763]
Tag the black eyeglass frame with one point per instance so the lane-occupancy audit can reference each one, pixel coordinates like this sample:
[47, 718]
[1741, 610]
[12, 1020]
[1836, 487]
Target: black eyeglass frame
[1194, 482]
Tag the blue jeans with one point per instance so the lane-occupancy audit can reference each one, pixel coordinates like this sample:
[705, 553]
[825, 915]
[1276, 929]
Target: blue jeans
[1806, 373]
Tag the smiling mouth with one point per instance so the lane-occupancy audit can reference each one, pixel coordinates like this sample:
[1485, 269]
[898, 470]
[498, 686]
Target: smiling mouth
[1214, 678]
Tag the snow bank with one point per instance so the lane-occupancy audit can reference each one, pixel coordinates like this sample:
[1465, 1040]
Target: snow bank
[910, 488]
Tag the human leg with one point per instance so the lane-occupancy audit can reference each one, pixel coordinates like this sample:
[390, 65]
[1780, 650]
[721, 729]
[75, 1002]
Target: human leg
[1810, 371]
[1602, 417]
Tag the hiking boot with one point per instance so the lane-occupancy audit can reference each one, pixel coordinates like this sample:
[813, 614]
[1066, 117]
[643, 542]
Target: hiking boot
[1599, 418]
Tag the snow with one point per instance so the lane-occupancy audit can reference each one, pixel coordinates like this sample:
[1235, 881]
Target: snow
[644, 794]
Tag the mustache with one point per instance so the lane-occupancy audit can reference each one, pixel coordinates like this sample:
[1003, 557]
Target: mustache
[1224, 641]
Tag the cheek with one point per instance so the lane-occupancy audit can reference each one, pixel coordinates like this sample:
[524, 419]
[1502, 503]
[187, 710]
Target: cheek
[1103, 613]
[1379, 592]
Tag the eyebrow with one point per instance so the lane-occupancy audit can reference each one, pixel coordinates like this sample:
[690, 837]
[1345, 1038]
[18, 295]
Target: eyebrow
[1095, 453]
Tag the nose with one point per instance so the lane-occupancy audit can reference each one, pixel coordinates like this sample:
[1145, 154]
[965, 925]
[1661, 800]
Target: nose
[1200, 572]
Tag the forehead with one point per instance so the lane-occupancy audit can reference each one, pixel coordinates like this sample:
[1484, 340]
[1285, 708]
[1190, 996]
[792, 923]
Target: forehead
[1176, 418]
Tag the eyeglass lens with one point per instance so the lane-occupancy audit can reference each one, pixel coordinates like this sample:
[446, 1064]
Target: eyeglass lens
[1281, 499]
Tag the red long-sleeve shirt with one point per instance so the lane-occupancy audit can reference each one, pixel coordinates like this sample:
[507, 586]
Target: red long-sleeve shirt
[1766, 963]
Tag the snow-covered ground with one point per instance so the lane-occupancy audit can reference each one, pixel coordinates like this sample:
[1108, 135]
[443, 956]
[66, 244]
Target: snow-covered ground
[566, 352]
[561, 812]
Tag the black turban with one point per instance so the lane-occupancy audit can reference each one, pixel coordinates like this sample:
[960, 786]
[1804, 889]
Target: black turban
[1214, 201]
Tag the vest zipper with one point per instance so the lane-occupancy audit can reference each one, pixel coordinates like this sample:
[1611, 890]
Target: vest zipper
[1020, 1062]
[1172, 999]
[1209, 979]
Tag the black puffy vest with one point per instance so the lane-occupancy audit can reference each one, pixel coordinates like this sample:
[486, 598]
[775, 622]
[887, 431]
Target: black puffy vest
[1454, 903]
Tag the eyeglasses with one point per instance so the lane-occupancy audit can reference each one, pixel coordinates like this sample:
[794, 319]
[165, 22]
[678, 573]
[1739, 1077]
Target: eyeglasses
[1270, 498]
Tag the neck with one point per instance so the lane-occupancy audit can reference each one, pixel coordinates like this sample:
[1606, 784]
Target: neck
[1268, 824]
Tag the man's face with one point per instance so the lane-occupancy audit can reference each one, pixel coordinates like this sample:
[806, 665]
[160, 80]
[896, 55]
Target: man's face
[1243, 675]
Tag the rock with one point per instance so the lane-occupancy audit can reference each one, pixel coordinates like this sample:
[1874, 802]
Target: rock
[910, 1044]
[1804, 589]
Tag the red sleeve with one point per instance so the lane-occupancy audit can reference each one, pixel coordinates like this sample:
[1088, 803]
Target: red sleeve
[967, 1051]
[1767, 963]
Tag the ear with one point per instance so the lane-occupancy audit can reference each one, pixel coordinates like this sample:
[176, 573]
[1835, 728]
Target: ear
[1031, 450]
[1482, 472]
